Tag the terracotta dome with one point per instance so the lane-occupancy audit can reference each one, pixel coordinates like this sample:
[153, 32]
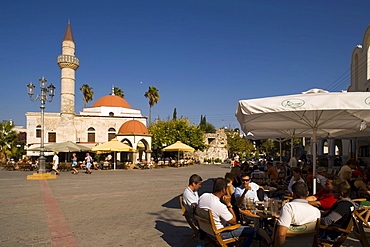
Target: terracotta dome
[112, 101]
[133, 126]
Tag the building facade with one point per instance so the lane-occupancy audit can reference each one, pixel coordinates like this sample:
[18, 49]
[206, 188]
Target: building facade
[106, 119]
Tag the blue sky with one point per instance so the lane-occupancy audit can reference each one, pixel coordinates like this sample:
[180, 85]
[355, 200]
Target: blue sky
[202, 55]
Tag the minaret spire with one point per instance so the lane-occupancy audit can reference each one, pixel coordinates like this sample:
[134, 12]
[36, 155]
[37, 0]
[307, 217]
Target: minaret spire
[68, 35]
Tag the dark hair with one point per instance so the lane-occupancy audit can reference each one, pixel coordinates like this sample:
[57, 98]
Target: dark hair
[300, 189]
[245, 175]
[195, 178]
[343, 187]
[297, 170]
[219, 184]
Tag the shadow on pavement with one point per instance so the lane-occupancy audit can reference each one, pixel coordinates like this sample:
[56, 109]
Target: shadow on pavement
[173, 235]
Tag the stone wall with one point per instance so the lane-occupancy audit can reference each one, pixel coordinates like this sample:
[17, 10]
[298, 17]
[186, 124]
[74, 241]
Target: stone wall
[216, 146]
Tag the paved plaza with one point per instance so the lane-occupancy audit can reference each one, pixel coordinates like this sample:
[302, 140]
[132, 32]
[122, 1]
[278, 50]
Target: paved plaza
[106, 208]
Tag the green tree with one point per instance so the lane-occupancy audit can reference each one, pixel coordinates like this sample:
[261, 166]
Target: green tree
[165, 133]
[268, 147]
[8, 138]
[174, 116]
[153, 96]
[87, 93]
[236, 144]
[206, 127]
[119, 92]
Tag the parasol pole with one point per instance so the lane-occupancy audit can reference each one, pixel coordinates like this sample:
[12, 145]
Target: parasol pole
[114, 160]
[314, 150]
[281, 159]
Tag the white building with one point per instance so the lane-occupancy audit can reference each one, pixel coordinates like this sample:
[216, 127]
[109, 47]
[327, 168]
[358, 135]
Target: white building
[110, 116]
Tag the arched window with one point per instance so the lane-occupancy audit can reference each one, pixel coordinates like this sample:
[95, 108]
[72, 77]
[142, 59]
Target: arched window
[111, 114]
[111, 133]
[38, 131]
[91, 134]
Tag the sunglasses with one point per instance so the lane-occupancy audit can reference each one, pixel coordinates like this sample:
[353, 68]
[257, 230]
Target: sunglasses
[246, 180]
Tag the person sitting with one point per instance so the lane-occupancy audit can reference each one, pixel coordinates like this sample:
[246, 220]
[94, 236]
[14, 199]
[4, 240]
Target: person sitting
[223, 213]
[296, 212]
[190, 195]
[323, 199]
[248, 190]
[345, 171]
[236, 171]
[297, 176]
[358, 187]
[229, 180]
[256, 170]
[272, 173]
[321, 176]
[341, 212]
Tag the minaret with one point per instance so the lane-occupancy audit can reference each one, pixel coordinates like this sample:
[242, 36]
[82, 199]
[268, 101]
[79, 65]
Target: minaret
[68, 64]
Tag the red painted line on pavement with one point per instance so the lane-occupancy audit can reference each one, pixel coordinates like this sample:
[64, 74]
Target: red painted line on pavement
[60, 233]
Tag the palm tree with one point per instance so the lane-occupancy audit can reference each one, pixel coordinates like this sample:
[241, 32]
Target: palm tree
[119, 92]
[153, 97]
[87, 92]
[8, 137]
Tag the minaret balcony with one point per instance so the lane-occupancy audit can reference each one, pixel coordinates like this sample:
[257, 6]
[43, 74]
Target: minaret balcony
[68, 61]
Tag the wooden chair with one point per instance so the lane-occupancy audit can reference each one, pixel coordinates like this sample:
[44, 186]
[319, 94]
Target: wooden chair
[338, 242]
[358, 231]
[359, 214]
[207, 224]
[189, 218]
[294, 231]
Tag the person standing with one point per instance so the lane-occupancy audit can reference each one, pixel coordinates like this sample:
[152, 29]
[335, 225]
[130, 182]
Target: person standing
[74, 164]
[88, 160]
[190, 195]
[55, 163]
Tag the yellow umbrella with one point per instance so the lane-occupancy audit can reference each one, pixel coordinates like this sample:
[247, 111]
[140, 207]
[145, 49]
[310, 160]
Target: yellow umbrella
[178, 146]
[113, 146]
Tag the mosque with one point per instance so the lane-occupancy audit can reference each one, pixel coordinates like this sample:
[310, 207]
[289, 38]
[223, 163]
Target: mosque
[109, 117]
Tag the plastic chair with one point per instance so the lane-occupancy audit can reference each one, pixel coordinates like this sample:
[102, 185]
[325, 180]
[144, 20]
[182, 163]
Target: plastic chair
[207, 224]
[294, 231]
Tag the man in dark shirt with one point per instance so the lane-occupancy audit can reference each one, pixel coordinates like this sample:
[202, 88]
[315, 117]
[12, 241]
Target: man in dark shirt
[340, 213]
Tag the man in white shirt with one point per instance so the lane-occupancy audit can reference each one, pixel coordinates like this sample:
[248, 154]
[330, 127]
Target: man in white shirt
[190, 195]
[296, 212]
[248, 190]
[55, 163]
[223, 213]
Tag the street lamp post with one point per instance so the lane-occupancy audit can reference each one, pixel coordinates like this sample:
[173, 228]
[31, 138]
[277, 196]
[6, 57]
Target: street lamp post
[47, 94]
